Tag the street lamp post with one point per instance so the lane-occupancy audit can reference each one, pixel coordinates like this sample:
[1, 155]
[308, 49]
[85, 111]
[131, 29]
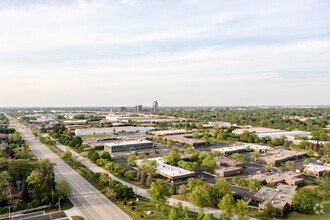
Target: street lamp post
[59, 204]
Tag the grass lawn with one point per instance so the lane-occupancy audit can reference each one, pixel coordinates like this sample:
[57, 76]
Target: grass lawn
[326, 207]
[65, 206]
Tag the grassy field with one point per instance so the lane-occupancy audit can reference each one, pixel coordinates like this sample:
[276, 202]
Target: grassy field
[326, 207]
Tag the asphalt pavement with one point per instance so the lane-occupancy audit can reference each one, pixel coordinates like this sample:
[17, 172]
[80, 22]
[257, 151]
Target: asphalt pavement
[91, 203]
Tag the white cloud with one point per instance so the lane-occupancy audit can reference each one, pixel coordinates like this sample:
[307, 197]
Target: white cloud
[184, 52]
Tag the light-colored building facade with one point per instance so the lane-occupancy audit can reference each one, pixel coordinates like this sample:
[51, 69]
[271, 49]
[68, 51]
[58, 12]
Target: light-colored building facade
[111, 130]
[155, 106]
[125, 146]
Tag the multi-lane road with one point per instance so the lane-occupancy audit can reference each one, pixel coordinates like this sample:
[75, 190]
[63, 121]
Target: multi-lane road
[91, 203]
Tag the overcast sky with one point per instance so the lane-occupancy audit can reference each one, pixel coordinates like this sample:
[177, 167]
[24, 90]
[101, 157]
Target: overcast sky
[113, 53]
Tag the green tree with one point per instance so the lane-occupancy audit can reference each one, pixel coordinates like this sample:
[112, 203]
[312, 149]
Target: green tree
[143, 177]
[241, 209]
[323, 189]
[25, 194]
[173, 189]
[223, 187]
[131, 160]
[35, 180]
[286, 143]
[227, 204]
[269, 209]
[159, 192]
[254, 185]
[174, 214]
[302, 202]
[199, 196]
[239, 157]
[172, 158]
[208, 164]
[183, 191]
[163, 211]
[208, 217]
[306, 162]
[185, 213]
[106, 155]
[149, 180]
[291, 165]
[188, 150]
[63, 189]
[95, 156]
[255, 155]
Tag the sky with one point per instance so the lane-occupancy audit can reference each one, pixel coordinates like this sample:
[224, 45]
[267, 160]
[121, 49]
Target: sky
[178, 52]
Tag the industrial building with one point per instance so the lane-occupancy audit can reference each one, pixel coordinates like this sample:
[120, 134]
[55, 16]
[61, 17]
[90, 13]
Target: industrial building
[288, 134]
[167, 171]
[111, 130]
[289, 178]
[125, 146]
[256, 130]
[280, 197]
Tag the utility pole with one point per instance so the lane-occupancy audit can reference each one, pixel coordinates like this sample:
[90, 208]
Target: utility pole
[59, 205]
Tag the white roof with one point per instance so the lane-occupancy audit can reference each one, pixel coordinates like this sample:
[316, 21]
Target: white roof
[317, 168]
[241, 147]
[280, 133]
[131, 142]
[167, 169]
[170, 131]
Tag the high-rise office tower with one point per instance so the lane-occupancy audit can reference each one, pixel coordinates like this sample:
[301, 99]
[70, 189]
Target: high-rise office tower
[155, 106]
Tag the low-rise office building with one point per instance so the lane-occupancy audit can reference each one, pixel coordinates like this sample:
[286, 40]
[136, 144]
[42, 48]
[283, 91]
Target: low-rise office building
[78, 122]
[167, 171]
[256, 130]
[220, 124]
[170, 132]
[225, 171]
[241, 148]
[289, 178]
[185, 139]
[316, 170]
[280, 197]
[224, 161]
[277, 156]
[111, 130]
[125, 146]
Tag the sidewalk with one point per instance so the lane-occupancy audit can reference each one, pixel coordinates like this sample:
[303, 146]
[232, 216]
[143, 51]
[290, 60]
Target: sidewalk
[141, 192]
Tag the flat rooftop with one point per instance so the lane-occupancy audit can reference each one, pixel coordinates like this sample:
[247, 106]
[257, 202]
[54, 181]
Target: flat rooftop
[241, 147]
[277, 177]
[316, 168]
[131, 142]
[285, 133]
[278, 196]
[117, 128]
[167, 169]
[166, 132]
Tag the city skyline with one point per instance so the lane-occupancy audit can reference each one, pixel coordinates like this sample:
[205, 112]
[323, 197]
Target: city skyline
[183, 53]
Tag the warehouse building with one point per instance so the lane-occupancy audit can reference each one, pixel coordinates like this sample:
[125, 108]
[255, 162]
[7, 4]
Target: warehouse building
[220, 124]
[125, 146]
[167, 171]
[224, 161]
